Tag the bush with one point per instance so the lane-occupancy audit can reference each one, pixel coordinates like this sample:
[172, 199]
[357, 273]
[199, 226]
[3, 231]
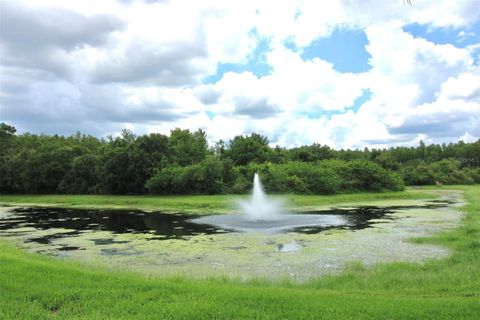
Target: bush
[169, 180]
[206, 177]
[321, 177]
[448, 171]
[82, 177]
[363, 175]
[417, 174]
[473, 173]
[302, 177]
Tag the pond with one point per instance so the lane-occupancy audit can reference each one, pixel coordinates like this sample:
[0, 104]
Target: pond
[68, 223]
[313, 243]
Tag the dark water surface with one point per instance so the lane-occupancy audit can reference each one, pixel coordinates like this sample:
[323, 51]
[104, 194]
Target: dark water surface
[162, 226]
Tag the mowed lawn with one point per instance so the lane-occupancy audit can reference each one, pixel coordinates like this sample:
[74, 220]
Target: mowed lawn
[39, 287]
[197, 203]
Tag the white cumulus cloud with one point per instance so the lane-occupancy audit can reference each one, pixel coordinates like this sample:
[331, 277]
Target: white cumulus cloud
[100, 67]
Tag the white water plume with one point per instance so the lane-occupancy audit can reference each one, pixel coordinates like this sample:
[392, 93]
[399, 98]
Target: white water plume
[259, 207]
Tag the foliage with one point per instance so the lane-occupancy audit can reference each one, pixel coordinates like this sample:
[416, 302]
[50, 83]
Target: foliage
[418, 173]
[245, 149]
[182, 163]
[205, 177]
[80, 178]
[188, 148]
[311, 153]
[366, 175]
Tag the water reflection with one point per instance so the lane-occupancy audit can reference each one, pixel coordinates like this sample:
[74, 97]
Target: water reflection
[169, 226]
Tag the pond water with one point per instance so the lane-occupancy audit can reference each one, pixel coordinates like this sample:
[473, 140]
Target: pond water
[164, 226]
[314, 242]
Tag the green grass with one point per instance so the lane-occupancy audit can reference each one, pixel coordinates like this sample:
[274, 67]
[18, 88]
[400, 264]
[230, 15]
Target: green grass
[38, 287]
[196, 203]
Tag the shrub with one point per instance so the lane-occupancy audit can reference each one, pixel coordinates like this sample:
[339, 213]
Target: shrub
[205, 177]
[448, 171]
[418, 173]
[321, 177]
[363, 175]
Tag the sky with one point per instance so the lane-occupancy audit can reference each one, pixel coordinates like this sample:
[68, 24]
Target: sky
[346, 73]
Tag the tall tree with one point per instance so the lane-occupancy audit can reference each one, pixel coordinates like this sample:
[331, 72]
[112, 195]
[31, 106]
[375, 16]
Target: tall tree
[245, 149]
[188, 148]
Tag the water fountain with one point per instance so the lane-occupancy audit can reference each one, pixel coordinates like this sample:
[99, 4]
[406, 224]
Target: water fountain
[266, 215]
[259, 207]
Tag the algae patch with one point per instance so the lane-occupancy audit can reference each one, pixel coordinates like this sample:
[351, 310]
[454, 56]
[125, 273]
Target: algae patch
[147, 246]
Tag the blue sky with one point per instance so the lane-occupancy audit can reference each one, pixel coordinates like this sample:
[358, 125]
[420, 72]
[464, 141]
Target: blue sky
[460, 37]
[344, 48]
[255, 63]
[342, 73]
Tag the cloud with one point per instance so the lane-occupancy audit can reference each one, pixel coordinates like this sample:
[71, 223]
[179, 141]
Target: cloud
[304, 22]
[70, 107]
[146, 1]
[42, 38]
[401, 59]
[113, 104]
[71, 65]
[207, 94]
[454, 113]
[255, 108]
[170, 65]
[466, 87]
[438, 120]
[436, 124]
[167, 45]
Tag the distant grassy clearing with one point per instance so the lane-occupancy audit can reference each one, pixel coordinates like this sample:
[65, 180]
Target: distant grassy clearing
[198, 203]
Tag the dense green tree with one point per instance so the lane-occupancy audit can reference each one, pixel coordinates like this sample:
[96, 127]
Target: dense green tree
[219, 148]
[278, 155]
[468, 154]
[352, 154]
[303, 177]
[7, 140]
[447, 171]
[83, 176]
[362, 175]
[182, 163]
[387, 161]
[207, 177]
[421, 151]
[312, 153]
[169, 180]
[418, 173]
[7, 134]
[245, 149]
[187, 147]
[115, 178]
[43, 170]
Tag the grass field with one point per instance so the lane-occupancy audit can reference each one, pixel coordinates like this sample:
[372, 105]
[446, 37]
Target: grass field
[198, 203]
[38, 287]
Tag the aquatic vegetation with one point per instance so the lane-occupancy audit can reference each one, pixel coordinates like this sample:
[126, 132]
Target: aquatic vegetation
[292, 246]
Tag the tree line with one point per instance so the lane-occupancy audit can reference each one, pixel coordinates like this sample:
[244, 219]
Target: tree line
[183, 163]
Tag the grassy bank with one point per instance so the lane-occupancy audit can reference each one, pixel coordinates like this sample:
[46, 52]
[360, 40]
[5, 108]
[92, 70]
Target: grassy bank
[37, 287]
[196, 203]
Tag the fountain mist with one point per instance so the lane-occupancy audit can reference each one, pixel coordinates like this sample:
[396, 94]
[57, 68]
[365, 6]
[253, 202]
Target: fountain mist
[259, 207]
[261, 214]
